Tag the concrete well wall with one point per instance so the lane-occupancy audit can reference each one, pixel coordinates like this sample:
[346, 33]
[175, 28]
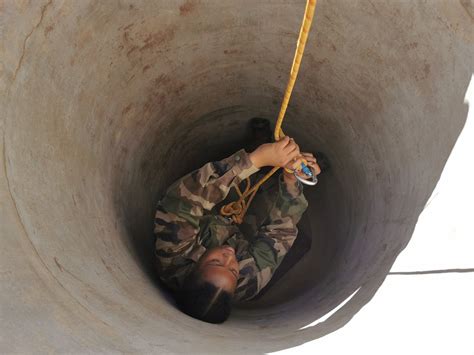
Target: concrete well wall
[106, 103]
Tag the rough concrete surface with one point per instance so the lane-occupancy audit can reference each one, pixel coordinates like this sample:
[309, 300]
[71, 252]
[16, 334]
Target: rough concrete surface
[104, 103]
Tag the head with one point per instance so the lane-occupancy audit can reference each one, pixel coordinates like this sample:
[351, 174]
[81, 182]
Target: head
[207, 292]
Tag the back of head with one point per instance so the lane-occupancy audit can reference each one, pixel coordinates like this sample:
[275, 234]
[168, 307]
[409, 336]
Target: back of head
[203, 300]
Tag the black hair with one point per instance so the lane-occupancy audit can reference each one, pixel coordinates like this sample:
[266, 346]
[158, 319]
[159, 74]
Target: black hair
[204, 301]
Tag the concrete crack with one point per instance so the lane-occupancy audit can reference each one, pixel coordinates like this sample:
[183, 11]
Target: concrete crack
[43, 11]
[427, 272]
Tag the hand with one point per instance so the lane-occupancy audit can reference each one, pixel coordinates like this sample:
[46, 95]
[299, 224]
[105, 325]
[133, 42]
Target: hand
[311, 163]
[275, 154]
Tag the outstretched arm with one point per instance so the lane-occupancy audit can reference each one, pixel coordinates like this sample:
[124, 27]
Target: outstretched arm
[204, 188]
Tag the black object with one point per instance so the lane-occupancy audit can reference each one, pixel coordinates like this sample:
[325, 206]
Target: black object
[259, 133]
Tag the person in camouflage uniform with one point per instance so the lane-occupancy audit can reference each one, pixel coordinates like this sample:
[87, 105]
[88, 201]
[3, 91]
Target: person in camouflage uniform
[206, 259]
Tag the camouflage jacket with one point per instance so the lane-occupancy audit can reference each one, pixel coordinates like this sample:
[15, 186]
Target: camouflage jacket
[187, 223]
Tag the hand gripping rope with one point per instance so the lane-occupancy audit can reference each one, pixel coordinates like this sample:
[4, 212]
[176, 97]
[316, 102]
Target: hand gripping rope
[237, 209]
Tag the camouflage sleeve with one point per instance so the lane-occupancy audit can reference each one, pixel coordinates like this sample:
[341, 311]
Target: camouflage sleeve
[274, 239]
[179, 211]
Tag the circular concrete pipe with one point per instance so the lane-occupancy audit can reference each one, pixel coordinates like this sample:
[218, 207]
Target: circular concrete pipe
[106, 103]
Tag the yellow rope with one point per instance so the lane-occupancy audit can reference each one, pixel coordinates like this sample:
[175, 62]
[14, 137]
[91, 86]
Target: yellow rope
[237, 209]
